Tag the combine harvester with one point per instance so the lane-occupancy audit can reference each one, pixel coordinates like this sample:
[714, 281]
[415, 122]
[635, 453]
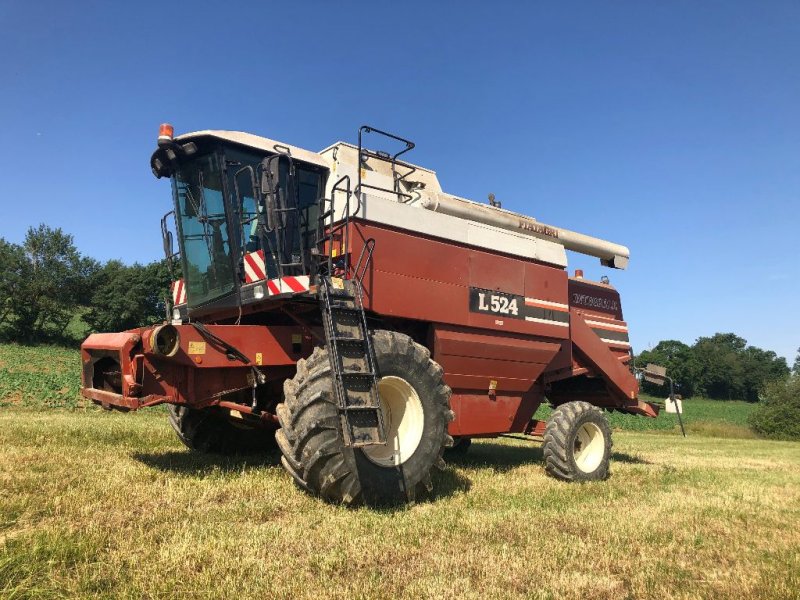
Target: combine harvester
[341, 305]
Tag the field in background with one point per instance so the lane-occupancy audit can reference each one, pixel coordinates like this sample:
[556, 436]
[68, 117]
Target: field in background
[39, 376]
[107, 504]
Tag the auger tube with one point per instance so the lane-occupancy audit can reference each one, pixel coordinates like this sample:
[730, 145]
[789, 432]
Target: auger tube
[610, 254]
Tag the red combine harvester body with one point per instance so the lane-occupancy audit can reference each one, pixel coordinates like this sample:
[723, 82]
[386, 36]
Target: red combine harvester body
[341, 305]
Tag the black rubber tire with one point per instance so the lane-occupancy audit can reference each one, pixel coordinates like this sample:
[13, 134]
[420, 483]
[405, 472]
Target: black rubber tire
[208, 430]
[460, 447]
[560, 440]
[311, 440]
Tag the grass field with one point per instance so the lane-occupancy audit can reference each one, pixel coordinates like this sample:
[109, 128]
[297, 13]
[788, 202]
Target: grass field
[96, 504]
[106, 504]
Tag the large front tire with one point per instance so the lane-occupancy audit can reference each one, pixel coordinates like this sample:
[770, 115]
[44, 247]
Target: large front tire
[416, 412]
[577, 443]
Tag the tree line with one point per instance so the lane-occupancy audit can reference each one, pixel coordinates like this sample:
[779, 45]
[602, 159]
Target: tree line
[722, 367]
[51, 293]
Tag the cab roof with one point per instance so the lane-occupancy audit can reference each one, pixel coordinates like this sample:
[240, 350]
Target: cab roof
[257, 142]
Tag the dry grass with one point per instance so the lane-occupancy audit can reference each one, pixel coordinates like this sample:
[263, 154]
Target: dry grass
[97, 504]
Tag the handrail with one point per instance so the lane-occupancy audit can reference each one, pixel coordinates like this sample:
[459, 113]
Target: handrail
[369, 248]
[384, 156]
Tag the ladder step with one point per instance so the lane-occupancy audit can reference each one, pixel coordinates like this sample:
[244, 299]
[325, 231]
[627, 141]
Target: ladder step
[337, 293]
[358, 374]
[347, 340]
[362, 428]
[342, 303]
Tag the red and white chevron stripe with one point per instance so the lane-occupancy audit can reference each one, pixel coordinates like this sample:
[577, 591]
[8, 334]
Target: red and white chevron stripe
[178, 292]
[288, 285]
[254, 267]
[255, 270]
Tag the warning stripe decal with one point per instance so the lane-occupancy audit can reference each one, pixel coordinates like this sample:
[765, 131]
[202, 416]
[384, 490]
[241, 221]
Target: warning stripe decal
[254, 268]
[178, 292]
[288, 285]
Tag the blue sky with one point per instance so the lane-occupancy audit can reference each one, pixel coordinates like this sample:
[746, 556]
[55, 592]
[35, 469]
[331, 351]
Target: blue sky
[671, 127]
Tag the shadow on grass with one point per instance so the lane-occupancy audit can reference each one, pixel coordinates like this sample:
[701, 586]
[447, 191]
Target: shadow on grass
[199, 465]
[500, 457]
[627, 458]
[194, 464]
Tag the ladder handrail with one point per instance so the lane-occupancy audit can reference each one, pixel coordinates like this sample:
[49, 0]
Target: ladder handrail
[369, 248]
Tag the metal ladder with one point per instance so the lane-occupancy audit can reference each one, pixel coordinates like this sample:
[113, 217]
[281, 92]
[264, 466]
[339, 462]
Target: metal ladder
[352, 357]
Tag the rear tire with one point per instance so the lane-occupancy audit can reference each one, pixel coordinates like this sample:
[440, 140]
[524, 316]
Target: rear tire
[577, 443]
[416, 413]
[209, 430]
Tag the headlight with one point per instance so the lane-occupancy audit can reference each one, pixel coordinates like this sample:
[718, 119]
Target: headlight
[176, 314]
[165, 340]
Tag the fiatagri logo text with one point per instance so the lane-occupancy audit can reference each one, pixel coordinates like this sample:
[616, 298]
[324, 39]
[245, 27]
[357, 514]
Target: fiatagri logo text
[595, 302]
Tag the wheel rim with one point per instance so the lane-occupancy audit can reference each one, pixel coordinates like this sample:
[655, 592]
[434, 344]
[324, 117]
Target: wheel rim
[588, 447]
[403, 419]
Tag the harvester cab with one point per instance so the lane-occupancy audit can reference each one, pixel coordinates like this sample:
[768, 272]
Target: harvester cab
[244, 213]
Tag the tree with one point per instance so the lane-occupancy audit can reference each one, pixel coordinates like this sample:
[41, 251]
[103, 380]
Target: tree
[14, 272]
[722, 366]
[761, 367]
[778, 414]
[45, 286]
[680, 362]
[126, 297]
[796, 366]
[721, 374]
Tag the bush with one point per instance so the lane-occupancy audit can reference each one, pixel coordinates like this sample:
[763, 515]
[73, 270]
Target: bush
[778, 414]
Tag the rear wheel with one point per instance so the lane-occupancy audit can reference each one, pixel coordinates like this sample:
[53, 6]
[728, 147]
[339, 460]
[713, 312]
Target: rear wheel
[577, 443]
[416, 411]
[210, 430]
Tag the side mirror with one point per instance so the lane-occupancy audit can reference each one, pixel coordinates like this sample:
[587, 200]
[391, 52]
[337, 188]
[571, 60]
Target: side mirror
[168, 245]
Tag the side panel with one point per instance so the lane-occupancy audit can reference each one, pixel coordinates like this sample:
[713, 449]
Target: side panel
[493, 377]
[420, 278]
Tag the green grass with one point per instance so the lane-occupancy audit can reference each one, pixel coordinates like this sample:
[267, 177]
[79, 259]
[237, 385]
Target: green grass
[710, 417]
[39, 376]
[96, 504]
